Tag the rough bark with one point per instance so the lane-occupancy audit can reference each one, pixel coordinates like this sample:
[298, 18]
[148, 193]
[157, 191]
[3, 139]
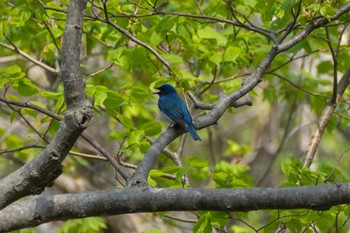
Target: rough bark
[134, 200]
[33, 177]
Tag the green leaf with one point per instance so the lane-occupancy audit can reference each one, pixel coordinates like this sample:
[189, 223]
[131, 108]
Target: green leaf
[30, 112]
[136, 137]
[50, 95]
[216, 57]
[325, 67]
[225, 180]
[196, 162]
[54, 126]
[327, 10]
[171, 169]
[113, 102]
[151, 128]
[84, 225]
[218, 218]
[231, 54]
[125, 121]
[181, 172]
[151, 181]
[13, 116]
[140, 93]
[202, 225]
[155, 230]
[173, 58]
[100, 97]
[59, 104]
[13, 71]
[25, 87]
[156, 173]
[209, 33]
[332, 123]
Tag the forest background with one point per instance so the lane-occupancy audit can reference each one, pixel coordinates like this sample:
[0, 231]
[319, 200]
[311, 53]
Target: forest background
[82, 143]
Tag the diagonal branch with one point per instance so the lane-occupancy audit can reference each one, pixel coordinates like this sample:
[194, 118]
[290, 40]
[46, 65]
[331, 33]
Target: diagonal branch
[134, 39]
[324, 119]
[15, 49]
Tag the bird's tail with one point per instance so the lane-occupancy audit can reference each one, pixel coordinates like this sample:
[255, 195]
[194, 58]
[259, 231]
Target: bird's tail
[193, 133]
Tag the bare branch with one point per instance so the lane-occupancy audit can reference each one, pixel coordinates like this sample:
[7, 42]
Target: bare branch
[123, 201]
[21, 148]
[324, 119]
[296, 86]
[15, 49]
[334, 54]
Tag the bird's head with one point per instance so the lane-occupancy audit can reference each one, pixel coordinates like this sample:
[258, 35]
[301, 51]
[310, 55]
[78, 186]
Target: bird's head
[165, 89]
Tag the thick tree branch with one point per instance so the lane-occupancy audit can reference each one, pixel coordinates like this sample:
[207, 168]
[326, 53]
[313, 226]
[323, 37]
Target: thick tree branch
[135, 200]
[33, 177]
[74, 89]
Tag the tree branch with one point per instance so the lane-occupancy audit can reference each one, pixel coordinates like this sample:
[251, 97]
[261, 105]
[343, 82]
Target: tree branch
[15, 49]
[137, 41]
[33, 177]
[123, 201]
[123, 172]
[312, 26]
[324, 119]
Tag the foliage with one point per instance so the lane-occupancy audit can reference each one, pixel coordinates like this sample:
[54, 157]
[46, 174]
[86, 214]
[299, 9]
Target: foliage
[85, 225]
[210, 47]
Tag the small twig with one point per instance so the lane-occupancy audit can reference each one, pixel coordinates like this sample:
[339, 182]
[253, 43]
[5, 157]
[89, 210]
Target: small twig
[15, 49]
[30, 124]
[105, 9]
[206, 106]
[21, 148]
[139, 42]
[337, 163]
[52, 37]
[199, 7]
[293, 58]
[99, 71]
[334, 54]
[288, 29]
[239, 75]
[198, 104]
[216, 75]
[181, 146]
[180, 219]
[87, 156]
[296, 86]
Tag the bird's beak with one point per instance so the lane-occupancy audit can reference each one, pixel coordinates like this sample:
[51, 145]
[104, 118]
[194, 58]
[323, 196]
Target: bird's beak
[156, 92]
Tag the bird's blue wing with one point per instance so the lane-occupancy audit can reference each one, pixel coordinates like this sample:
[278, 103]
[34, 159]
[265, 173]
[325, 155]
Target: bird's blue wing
[174, 108]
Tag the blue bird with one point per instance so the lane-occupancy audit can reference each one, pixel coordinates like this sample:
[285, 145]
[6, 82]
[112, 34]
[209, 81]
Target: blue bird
[174, 110]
